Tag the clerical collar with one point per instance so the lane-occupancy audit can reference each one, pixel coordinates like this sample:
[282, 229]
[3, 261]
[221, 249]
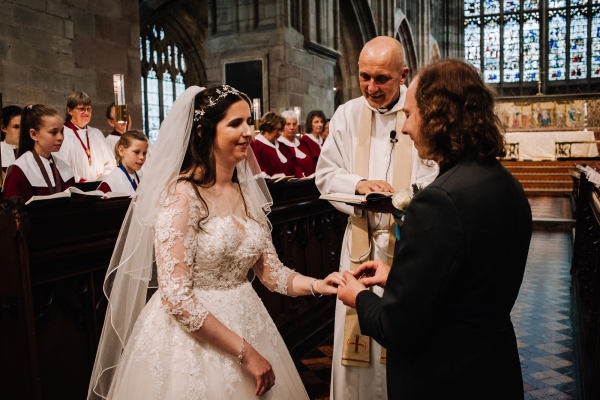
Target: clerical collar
[390, 106]
[115, 133]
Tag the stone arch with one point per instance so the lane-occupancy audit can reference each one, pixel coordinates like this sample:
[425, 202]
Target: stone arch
[185, 23]
[357, 27]
[405, 36]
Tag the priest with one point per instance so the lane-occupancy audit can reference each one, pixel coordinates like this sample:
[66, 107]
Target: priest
[366, 152]
[84, 148]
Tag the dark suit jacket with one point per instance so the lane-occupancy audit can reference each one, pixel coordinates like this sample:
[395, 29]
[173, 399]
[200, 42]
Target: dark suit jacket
[445, 313]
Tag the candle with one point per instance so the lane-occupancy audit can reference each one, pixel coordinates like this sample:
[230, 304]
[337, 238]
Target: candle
[256, 113]
[585, 108]
[298, 112]
[120, 106]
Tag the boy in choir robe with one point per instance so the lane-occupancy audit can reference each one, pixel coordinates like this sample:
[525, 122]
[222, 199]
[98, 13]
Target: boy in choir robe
[312, 141]
[130, 153]
[267, 149]
[36, 172]
[84, 147]
[11, 122]
[303, 164]
[119, 128]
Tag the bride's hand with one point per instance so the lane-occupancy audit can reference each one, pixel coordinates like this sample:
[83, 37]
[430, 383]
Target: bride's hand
[260, 368]
[329, 285]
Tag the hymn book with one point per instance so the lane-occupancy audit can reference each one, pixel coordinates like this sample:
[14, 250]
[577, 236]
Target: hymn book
[72, 193]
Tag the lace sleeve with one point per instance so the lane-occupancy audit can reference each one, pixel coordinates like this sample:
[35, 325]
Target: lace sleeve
[175, 230]
[271, 272]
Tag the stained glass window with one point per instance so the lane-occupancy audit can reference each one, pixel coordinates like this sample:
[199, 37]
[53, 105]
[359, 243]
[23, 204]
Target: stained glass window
[578, 37]
[530, 5]
[491, 7]
[502, 39]
[512, 6]
[512, 53]
[531, 47]
[472, 8]
[473, 43]
[556, 3]
[163, 69]
[557, 30]
[491, 55]
[595, 56]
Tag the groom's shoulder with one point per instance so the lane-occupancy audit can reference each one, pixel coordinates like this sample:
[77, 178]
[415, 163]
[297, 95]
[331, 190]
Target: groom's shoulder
[469, 173]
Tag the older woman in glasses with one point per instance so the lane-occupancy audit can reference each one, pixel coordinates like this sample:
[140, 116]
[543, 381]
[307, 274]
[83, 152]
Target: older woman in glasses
[84, 147]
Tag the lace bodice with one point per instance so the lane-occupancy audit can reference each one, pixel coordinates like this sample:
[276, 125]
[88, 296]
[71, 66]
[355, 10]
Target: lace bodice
[216, 257]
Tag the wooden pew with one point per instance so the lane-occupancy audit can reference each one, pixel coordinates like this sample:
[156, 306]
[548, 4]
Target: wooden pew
[54, 262]
[585, 270]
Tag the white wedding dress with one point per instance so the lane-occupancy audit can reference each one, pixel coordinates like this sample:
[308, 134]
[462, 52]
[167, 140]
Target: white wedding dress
[203, 271]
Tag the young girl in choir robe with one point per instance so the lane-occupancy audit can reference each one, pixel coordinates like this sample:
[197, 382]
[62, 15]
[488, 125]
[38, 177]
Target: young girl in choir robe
[84, 147]
[311, 142]
[11, 122]
[302, 163]
[36, 172]
[130, 153]
[267, 149]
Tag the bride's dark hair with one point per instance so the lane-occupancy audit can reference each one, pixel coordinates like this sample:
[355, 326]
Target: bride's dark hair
[199, 166]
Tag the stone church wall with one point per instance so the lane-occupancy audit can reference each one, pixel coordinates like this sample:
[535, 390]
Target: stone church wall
[49, 48]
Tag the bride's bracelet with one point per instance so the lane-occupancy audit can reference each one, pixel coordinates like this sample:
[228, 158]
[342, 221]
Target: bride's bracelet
[312, 290]
[241, 355]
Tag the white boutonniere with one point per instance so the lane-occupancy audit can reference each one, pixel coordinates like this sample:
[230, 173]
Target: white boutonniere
[400, 200]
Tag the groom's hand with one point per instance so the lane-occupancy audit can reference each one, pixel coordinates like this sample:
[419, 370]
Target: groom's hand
[347, 293]
[373, 273]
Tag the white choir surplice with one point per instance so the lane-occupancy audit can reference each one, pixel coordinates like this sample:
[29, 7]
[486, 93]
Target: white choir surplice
[32, 172]
[335, 174]
[118, 182]
[111, 141]
[8, 154]
[103, 159]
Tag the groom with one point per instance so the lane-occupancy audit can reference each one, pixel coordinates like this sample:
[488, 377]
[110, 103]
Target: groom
[445, 312]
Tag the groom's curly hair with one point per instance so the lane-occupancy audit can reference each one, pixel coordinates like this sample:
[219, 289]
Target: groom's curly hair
[457, 113]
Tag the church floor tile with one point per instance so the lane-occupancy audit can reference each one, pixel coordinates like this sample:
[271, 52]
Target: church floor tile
[541, 317]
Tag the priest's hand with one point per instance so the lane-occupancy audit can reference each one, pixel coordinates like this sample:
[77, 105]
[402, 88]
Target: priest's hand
[365, 187]
[347, 293]
[373, 273]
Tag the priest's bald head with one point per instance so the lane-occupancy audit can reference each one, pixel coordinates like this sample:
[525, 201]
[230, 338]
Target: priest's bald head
[381, 71]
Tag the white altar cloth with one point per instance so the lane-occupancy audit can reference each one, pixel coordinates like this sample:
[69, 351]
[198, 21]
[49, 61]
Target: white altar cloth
[540, 145]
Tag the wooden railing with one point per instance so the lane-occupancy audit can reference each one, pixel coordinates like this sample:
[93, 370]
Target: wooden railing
[585, 270]
[53, 263]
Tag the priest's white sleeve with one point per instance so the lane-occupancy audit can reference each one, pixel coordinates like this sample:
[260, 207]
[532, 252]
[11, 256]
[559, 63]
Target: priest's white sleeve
[334, 173]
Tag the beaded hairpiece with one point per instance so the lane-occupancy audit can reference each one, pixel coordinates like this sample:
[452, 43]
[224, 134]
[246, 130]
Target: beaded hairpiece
[198, 114]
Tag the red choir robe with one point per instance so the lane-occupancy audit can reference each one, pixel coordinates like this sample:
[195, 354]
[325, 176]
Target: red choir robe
[26, 180]
[311, 146]
[303, 164]
[116, 181]
[270, 158]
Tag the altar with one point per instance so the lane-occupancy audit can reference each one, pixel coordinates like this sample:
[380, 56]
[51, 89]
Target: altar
[541, 145]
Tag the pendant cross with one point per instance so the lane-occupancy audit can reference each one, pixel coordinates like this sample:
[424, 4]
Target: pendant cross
[356, 343]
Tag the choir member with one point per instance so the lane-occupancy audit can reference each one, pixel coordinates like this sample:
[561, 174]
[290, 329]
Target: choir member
[118, 127]
[130, 153]
[11, 121]
[267, 149]
[36, 172]
[84, 147]
[303, 164]
[325, 130]
[311, 142]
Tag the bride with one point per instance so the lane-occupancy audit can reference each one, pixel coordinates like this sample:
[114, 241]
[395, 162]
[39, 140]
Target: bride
[201, 211]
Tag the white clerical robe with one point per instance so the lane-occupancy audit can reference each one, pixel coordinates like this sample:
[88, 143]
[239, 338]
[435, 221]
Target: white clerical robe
[103, 158]
[335, 174]
[8, 154]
